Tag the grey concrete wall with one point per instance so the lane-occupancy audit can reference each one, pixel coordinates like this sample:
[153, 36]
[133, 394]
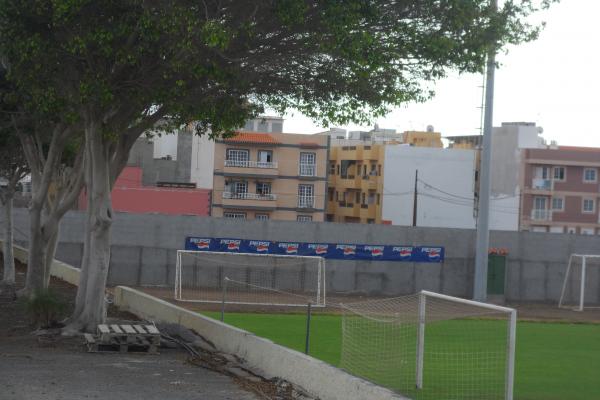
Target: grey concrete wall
[159, 170]
[144, 248]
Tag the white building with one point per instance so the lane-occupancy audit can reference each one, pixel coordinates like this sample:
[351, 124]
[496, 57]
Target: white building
[445, 186]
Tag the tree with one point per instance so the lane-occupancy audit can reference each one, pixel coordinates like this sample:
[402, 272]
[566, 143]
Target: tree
[13, 168]
[111, 69]
[49, 151]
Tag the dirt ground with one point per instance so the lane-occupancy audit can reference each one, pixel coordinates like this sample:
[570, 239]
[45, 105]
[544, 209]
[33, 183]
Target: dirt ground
[52, 367]
[542, 312]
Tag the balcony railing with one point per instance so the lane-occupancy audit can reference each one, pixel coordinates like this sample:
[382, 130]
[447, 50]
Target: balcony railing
[250, 164]
[306, 202]
[541, 215]
[541, 184]
[308, 169]
[249, 196]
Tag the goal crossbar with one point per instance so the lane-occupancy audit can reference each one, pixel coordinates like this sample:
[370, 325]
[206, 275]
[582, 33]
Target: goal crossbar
[227, 283]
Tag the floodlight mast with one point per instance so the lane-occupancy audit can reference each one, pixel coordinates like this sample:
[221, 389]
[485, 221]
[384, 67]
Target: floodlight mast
[483, 210]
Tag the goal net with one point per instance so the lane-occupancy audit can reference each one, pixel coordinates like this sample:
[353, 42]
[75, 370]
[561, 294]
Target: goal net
[431, 346]
[580, 285]
[238, 278]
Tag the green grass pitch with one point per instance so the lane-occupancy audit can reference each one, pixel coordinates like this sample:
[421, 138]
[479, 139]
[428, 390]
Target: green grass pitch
[554, 361]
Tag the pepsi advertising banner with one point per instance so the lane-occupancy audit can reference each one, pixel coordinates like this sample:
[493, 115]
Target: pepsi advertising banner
[420, 254]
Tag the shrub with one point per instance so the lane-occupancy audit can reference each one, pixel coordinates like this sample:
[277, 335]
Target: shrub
[45, 308]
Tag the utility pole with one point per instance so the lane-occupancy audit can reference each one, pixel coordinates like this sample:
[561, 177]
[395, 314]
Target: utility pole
[415, 199]
[483, 232]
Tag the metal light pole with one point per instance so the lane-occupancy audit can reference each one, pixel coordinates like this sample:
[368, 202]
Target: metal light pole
[483, 216]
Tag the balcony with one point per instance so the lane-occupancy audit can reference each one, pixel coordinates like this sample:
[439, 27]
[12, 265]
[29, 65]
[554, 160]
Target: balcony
[541, 215]
[306, 202]
[541, 184]
[251, 168]
[249, 200]
[250, 164]
[308, 169]
[249, 196]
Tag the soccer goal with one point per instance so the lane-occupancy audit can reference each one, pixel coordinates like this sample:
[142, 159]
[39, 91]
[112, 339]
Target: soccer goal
[260, 279]
[430, 346]
[577, 277]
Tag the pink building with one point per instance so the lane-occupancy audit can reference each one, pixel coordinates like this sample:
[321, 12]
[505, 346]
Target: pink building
[561, 190]
[129, 195]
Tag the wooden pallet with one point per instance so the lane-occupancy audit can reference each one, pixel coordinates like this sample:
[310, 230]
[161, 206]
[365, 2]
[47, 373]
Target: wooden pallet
[124, 339]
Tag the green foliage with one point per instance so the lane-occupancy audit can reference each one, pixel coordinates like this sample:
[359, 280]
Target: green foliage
[45, 308]
[221, 62]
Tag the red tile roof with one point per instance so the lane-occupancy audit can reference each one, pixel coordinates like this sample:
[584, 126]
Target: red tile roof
[251, 137]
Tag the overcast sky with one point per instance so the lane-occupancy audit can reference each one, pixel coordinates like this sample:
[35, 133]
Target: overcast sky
[553, 82]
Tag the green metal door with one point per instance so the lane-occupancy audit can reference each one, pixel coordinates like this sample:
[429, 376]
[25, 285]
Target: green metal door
[496, 273]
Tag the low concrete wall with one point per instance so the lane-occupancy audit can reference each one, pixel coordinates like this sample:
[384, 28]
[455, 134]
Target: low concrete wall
[317, 377]
[58, 269]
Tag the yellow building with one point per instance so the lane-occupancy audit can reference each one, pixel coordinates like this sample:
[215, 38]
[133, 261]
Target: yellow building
[355, 183]
[270, 176]
[423, 139]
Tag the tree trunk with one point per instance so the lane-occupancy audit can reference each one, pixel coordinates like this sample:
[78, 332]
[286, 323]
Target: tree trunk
[9, 259]
[97, 258]
[50, 252]
[36, 260]
[85, 260]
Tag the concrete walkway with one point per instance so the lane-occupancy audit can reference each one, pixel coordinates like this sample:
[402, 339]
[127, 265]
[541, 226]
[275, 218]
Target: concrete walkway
[66, 372]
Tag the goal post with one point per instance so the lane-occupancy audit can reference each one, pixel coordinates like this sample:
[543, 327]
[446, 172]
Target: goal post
[251, 279]
[432, 346]
[573, 291]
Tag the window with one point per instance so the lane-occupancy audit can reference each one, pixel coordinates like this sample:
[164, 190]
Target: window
[262, 217]
[589, 206]
[307, 164]
[542, 172]
[330, 193]
[236, 188]
[337, 169]
[373, 171]
[371, 198]
[237, 158]
[559, 173]
[379, 170]
[589, 175]
[363, 198]
[234, 215]
[378, 198]
[539, 203]
[332, 168]
[357, 197]
[557, 203]
[265, 158]
[364, 170]
[263, 188]
[304, 218]
[306, 197]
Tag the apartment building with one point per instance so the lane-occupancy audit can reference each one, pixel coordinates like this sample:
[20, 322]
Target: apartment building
[270, 176]
[429, 138]
[561, 190]
[355, 183]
